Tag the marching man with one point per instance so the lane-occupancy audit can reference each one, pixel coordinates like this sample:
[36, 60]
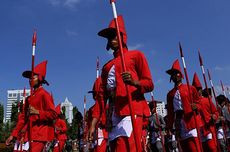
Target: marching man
[39, 110]
[137, 77]
[180, 110]
[101, 136]
[209, 114]
[60, 130]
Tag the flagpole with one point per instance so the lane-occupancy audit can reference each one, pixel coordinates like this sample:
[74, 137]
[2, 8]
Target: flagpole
[135, 131]
[190, 95]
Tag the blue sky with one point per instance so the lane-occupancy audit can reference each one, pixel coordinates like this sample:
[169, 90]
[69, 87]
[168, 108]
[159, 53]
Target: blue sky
[67, 38]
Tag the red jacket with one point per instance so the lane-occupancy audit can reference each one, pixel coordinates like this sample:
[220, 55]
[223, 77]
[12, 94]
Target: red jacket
[60, 134]
[206, 111]
[20, 123]
[188, 113]
[42, 125]
[137, 65]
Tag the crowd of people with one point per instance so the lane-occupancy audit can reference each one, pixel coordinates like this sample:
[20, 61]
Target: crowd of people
[121, 119]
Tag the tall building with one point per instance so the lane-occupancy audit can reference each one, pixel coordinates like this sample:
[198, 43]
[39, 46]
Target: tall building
[13, 96]
[68, 110]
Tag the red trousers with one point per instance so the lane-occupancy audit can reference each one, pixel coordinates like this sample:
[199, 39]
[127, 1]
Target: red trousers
[210, 146]
[190, 145]
[127, 144]
[102, 147]
[36, 146]
[60, 146]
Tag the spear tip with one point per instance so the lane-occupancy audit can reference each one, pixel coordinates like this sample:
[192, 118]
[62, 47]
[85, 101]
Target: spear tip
[200, 58]
[34, 39]
[181, 51]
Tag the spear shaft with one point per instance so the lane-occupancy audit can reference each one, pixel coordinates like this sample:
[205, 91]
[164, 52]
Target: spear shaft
[190, 96]
[219, 110]
[34, 41]
[222, 86]
[135, 131]
[209, 96]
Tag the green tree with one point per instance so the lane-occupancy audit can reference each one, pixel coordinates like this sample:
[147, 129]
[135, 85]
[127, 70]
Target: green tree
[1, 113]
[74, 129]
[1, 122]
[14, 113]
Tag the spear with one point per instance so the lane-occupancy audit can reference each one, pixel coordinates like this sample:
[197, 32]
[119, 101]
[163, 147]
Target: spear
[135, 131]
[190, 95]
[23, 101]
[206, 87]
[97, 69]
[220, 111]
[158, 122]
[34, 41]
[228, 91]
[24, 96]
[222, 86]
[84, 123]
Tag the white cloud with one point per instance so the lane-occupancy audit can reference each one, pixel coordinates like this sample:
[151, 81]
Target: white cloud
[66, 3]
[224, 68]
[55, 2]
[71, 3]
[219, 90]
[135, 47]
[71, 33]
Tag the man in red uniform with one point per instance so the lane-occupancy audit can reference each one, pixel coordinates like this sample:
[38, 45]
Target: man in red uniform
[209, 115]
[39, 110]
[19, 134]
[101, 138]
[180, 111]
[60, 130]
[139, 79]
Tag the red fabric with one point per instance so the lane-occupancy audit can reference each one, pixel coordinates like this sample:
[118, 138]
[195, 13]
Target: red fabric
[60, 146]
[42, 124]
[210, 146]
[19, 125]
[190, 145]
[105, 32]
[37, 146]
[102, 147]
[126, 144]
[137, 65]
[40, 69]
[144, 140]
[60, 134]
[186, 102]
[175, 67]
[206, 111]
[196, 82]
[58, 108]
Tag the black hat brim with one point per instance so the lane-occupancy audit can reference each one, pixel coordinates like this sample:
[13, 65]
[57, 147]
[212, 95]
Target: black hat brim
[107, 32]
[28, 74]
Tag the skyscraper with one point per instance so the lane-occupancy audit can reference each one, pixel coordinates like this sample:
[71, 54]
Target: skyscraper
[13, 96]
